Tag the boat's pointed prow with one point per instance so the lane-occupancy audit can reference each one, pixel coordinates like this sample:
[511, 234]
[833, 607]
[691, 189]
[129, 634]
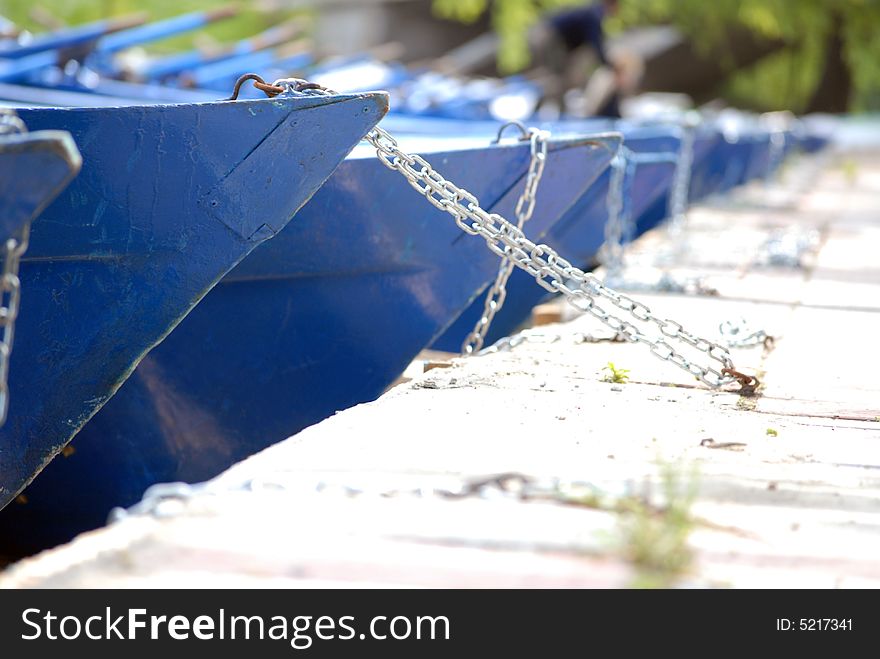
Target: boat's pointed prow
[170, 198]
[341, 121]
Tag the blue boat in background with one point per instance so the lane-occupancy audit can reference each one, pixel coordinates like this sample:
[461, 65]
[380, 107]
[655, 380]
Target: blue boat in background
[90, 66]
[725, 171]
[68, 38]
[325, 316]
[170, 198]
[580, 234]
[168, 67]
[718, 165]
[14, 95]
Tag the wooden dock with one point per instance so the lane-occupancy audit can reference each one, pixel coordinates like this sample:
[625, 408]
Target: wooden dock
[526, 468]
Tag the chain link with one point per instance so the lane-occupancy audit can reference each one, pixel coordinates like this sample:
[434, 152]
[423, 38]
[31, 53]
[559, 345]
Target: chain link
[620, 227]
[538, 337]
[10, 122]
[168, 500]
[681, 186]
[611, 253]
[777, 124]
[776, 155]
[10, 285]
[551, 271]
[739, 334]
[525, 208]
[788, 248]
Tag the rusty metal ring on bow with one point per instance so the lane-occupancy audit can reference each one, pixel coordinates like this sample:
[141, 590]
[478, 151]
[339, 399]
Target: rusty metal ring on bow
[270, 90]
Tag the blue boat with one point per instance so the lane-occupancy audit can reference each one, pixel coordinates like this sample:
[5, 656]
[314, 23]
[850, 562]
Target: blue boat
[84, 82]
[157, 30]
[726, 170]
[751, 150]
[325, 316]
[580, 234]
[222, 74]
[169, 66]
[813, 133]
[45, 65]
[170, 198]
[26, 96]
[758, 147]
[68, 38]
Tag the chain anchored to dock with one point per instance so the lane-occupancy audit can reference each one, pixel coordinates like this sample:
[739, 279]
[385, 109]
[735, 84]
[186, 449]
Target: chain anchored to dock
[550, 270]
[525, 208]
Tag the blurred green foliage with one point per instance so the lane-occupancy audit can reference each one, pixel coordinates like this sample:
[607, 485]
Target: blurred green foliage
[510, 19]
[783, 80]
[249, 21]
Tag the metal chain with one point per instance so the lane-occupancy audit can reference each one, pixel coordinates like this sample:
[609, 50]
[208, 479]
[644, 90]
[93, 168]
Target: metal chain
[10, 285]
[739, 334]
[537, 337]
[525, 208]
[681, 185]
[10, 122]
[787, 248]
[777, 124]
[552, 272]
[620, 227]
[776, 155]
[168, 500]
[612, 252]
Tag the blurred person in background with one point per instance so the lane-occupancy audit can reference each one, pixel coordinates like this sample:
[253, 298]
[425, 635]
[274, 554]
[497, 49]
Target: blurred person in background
[560, 45]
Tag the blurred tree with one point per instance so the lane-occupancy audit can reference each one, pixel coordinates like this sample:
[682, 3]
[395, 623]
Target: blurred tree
[831, 61]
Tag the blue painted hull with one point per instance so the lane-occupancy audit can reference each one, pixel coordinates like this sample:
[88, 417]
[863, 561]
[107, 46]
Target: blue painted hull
[34, 169]
[323, 317]
[578, 237]
[732, 165]
[725, 170]
[170, 198]
[707, 150]
[757, 159]
[810, 143]
[115, 92]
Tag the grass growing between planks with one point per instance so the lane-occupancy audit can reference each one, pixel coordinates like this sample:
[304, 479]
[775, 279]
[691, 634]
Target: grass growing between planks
[615, 375]
[654, 537]
[652, 531]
